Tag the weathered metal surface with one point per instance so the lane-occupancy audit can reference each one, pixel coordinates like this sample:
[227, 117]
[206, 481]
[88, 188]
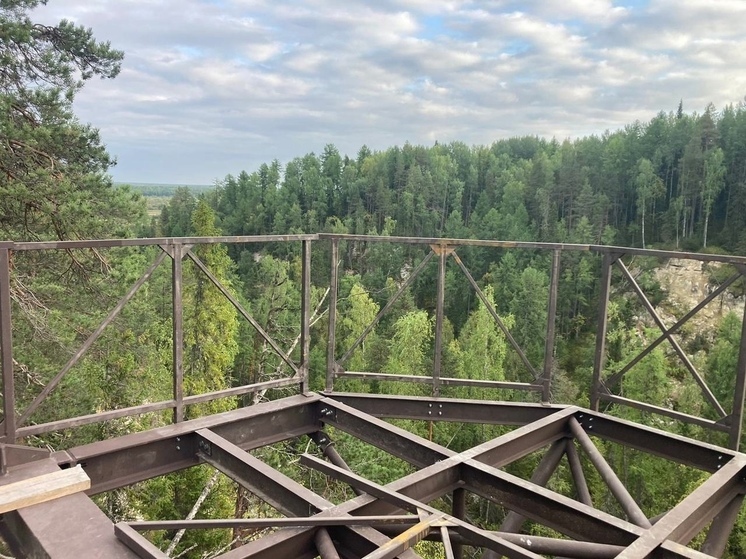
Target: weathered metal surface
[64, 528]
[132, 458]
[6, 350]
[275, 488]
[446, 409]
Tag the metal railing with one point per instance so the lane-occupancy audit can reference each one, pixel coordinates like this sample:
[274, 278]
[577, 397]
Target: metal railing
[16, 423]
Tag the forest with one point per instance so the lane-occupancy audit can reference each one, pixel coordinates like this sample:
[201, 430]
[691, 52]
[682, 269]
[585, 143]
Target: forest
[677, 182]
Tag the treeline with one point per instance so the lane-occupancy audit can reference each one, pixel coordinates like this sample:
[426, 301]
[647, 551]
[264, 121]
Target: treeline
[678, 180]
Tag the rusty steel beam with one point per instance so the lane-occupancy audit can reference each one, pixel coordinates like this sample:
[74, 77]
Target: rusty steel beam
[691, 515]
[677, 415]
[280, 522]
[177, 323]
[599, 359]
[392, 439]
[458, 510]
[137, 543]
[612, 481]
[165, 241]
[721, 528]
[576, 470]
[660, 443]
[446, 409]
[331, 344]
[6, 349]
[61, 528]
[132, 458]
[442, 252]
[400, 500]
[547, 466]
[545, 507]
[496, 318]
[441, 381]
[522, 441]
[272, 486]
[326, 445]
[305, 316]
[551, 325]
[739, 393]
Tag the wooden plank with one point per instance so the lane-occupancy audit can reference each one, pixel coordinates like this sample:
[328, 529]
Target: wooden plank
[43, 488]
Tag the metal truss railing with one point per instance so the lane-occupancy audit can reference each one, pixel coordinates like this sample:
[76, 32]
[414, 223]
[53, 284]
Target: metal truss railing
[17, 423]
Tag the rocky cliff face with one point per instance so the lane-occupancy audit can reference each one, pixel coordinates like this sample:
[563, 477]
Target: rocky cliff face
[686, 283]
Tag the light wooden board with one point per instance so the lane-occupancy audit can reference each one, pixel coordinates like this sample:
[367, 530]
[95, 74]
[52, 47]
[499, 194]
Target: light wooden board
[40, 489]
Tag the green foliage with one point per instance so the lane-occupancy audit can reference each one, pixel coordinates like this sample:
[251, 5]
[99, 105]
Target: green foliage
[52, 168]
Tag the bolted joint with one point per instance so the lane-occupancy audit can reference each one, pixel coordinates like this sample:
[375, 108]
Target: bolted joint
[204, 447]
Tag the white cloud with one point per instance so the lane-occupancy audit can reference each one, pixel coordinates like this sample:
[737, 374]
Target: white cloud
[212, 87]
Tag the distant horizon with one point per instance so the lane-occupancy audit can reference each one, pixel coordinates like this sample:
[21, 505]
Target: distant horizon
[168, 184]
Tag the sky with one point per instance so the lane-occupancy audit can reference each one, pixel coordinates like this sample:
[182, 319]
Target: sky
[213, 87]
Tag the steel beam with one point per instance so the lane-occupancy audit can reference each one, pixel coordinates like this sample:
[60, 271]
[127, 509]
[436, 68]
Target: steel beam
[272, 486]
[6, 350]
[599, 359]
[399, 442]
[132, 458]
[706, 392]
[177, 322]
[488, 305]
[305, 316]
[686, 519]
[400, 500]
[52, 384]
[721, 528]
[243, 312]
[446, 409]
[550, 509]
[442, 252]
[331, 344]
[576, 470]
[71, 526]
[628, 504]
[739, 393]
[551, 325]
[679, 449]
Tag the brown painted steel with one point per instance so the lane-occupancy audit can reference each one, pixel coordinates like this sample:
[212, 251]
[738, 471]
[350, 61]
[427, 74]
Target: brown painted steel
[551, 324]
[6, 350]
[331, 347]
[628, 504]
[177, 267]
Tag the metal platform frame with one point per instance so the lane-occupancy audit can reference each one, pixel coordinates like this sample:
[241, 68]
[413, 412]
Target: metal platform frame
[384, 521]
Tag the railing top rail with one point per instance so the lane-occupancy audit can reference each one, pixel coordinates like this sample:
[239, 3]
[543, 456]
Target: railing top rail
[104, 243]
[601, 249]
[731, 259]
[456, 242]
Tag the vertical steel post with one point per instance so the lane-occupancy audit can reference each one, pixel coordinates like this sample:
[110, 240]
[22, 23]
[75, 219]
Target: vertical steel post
[603, 308]
[177, 256]
[331, 347]
[6, 348]
[305, 311]
[736, 425]
[551, 324]
[721, 528]
[439, 304]
[458, 510]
